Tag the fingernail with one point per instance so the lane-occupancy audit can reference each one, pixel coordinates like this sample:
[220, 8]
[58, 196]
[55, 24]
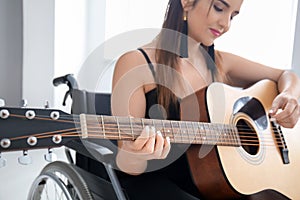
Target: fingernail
[153, 129]
[272, 119]
[159, 133]
[168, 139]
[147, 129]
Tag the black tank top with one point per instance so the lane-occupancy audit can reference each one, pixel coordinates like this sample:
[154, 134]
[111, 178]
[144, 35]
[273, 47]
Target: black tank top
[175, 165]
[152, 107]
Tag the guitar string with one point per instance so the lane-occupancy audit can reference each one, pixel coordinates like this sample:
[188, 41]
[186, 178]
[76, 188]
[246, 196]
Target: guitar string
[97, 123]
[187, 141]
[182, 138]
[68, 119]
[209, 138]
[180, 135]
[77, 122]
[240, 131]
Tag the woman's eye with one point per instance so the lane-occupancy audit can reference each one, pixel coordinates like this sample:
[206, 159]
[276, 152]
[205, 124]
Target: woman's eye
[218, 9]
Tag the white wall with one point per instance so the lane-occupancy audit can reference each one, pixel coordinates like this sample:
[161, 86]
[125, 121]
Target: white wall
[28, 73]
[38, 51]
[296, 52]
[11, 41]
[263, 32]
[79, 29]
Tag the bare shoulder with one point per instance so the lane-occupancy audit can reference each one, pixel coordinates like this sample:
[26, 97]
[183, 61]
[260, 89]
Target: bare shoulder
[129, 60]
[133, 66]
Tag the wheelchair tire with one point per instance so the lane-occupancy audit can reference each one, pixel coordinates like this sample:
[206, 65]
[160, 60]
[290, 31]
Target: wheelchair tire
[67, 183]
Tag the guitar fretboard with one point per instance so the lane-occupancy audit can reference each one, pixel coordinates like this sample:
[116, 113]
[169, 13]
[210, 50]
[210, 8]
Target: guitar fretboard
[187, 132]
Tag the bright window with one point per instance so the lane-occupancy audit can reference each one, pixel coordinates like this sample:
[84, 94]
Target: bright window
[263, 32]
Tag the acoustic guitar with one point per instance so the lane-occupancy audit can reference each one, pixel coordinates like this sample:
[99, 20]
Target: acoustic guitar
[236, 149]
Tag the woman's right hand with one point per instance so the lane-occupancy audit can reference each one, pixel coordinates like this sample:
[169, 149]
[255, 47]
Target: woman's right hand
[133, 155]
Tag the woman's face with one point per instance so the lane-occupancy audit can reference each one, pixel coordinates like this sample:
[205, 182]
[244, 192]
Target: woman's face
[209, 19]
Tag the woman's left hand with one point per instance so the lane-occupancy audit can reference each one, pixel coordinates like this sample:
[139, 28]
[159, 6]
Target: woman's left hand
[285, 110]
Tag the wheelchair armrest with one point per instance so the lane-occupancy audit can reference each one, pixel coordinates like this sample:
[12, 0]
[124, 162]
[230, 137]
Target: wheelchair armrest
[103, 151]
[96, 148]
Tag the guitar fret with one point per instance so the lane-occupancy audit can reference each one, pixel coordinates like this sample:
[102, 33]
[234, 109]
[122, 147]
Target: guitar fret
[172, 132]
[213, 133]
[205, 134]
[163, 128]
[103, 127]
[210, 136]
[232, 136]
[200, 135]
[159, 127]
[187, 130]
[180, 132]
[216, 134]
[131, 127]
[118, 127]
[143, 123]
[221, 137]
[152, 121]
[226, 136]
[195, 133]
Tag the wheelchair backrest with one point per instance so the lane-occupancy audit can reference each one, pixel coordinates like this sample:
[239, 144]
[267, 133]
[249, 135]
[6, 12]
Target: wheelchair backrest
[95, 104]
[90, 102]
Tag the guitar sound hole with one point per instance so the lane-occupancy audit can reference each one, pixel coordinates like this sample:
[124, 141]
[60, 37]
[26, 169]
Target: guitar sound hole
[248, 137]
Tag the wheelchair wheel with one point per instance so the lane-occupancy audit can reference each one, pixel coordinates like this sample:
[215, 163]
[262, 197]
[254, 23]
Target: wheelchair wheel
[59, 180]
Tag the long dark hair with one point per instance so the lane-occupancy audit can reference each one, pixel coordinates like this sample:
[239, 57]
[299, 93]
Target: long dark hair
[167, 52]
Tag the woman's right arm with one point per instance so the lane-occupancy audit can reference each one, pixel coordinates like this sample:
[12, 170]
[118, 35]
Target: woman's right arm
[131, 74]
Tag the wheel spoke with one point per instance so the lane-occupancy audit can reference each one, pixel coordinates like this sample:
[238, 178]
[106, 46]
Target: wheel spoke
[59, 181]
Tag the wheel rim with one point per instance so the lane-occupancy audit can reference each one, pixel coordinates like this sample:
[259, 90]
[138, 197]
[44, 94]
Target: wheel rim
[54, 187]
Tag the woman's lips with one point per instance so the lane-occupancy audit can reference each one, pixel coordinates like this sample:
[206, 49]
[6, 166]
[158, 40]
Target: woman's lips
[215, 32]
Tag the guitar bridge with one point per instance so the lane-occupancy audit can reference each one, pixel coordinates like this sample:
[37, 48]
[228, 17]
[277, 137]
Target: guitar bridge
[281, 144]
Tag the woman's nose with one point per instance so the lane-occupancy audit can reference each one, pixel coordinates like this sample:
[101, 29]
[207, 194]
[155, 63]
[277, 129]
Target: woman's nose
[225, 22]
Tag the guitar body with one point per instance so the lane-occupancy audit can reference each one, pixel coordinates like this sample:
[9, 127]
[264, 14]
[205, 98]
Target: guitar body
[224, 172]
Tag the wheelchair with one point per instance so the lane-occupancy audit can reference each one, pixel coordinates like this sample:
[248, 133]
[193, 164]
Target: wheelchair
[92, 176]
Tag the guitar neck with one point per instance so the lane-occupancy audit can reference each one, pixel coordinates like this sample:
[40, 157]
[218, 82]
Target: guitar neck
[23, 129]
[185, 132]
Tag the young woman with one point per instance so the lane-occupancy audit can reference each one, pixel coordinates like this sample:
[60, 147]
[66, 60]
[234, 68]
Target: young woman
[150, 82]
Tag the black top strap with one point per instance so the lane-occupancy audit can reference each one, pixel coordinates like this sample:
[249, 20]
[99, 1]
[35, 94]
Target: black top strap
[148, 61]
[211, 65]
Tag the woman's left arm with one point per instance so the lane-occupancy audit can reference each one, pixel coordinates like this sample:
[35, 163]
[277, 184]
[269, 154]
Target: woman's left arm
[242, 72]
